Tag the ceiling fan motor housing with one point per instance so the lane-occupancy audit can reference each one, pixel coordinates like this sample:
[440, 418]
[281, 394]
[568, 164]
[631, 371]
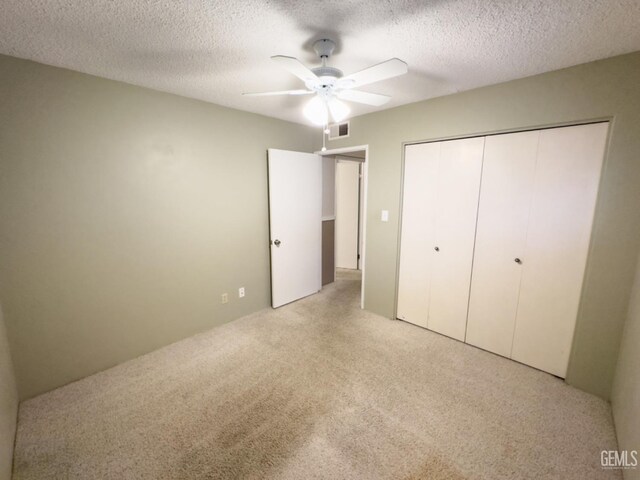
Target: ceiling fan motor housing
[327, 75]
[327, 72]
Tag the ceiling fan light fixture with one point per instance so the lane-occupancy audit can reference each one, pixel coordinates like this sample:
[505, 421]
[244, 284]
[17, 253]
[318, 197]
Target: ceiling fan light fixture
[329, 86]
[316, 111]
[339, 110]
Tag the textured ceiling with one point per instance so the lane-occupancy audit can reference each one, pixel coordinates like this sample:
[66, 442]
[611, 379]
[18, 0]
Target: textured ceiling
[215, 50]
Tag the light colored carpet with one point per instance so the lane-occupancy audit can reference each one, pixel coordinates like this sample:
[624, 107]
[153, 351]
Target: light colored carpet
[316, 389]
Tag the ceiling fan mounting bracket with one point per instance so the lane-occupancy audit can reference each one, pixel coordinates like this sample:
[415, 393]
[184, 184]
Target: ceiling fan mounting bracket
[324, 47]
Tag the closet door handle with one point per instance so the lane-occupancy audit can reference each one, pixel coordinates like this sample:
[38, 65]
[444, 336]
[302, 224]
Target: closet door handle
[517, 260]
[437, 249]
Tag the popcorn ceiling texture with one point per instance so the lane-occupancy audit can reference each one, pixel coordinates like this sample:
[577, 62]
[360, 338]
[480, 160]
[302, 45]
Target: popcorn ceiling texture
[214, 50]
[316, 389]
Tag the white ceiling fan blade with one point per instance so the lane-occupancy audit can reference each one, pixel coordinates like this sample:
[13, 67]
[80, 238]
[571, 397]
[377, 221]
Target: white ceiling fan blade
[382, 71]
[282, 92]
[367, 98]
[296, 67]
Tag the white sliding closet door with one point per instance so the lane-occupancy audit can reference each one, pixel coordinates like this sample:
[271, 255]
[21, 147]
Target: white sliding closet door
[458, 187]
[418, 231]
[505, 199]
[564, 197]
[495, 238]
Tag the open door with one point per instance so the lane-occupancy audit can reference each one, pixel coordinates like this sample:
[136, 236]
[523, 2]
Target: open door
[347, 214]
[295, 225]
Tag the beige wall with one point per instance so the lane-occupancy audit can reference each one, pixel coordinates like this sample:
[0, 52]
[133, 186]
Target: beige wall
[626, 386]
[8, 405]
[604, 89]
[124, 214]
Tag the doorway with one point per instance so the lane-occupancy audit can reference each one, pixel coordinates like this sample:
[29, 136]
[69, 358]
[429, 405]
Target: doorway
[343, 216]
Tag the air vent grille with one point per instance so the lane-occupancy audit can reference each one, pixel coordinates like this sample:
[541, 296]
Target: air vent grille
[339, 130]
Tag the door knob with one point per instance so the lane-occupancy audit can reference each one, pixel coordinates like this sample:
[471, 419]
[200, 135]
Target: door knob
[517, 260]
[277, 242]
[437, 249]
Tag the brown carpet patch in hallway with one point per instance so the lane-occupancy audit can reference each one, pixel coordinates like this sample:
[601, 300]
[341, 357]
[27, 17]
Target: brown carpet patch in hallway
[316, 389]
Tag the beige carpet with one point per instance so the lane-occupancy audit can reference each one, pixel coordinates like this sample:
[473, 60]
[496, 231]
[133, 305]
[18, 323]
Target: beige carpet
[316, 389]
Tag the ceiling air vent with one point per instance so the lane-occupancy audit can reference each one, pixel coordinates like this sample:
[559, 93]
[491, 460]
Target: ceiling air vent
[339, 130]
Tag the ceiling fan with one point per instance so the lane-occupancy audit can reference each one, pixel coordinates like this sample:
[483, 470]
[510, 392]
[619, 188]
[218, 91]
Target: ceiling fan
[330, 86]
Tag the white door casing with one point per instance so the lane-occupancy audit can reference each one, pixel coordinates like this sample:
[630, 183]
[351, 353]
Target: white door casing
[295, 224]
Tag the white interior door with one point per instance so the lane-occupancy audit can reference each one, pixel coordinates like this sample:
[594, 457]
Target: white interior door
[458, 188]
[564, 197]
[295, 223]
[505, 198]
[347, 204]
[418, 231]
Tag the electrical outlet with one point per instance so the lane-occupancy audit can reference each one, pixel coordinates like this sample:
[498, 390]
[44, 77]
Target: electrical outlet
[225, 298]
[241, 292]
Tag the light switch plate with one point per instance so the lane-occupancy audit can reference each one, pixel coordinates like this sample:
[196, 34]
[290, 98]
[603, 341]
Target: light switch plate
[385, 216]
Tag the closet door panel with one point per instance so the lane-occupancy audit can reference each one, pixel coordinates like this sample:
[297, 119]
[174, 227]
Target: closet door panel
[456, 214]
[505, 198]
[564, 197]
[418, 231]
